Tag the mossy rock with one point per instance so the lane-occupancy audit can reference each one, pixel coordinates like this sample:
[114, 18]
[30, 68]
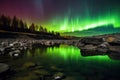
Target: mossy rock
[54, 68]
[41, 72]
[59, 76]
[29, 65]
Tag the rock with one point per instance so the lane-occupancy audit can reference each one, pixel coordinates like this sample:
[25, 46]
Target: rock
[2, 51]
[3, 67]
[115, 43]
[102, 50]
[29, 65]
[4, 44]
[48, 43]
[41, 72]
[88, 52]
[11, 45]
[114, 56]
[110, 39]
[114, 52]
[104, 45]
[59, 76]
[54, 68]
[16, 44]
[15, 53]
[80, 44]
[92, 40]
[90, 47]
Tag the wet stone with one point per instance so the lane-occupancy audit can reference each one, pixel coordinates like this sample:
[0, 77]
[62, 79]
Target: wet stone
[3, 68]
[29, 65]
[59, 76]
[41, 72]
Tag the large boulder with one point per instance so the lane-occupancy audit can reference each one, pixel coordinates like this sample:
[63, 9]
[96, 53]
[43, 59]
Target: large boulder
[114, 52]
[29, 65]
[92, 40]
[91, 46]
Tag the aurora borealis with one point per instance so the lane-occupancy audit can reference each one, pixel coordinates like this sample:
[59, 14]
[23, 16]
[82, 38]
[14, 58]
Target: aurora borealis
[65, 15]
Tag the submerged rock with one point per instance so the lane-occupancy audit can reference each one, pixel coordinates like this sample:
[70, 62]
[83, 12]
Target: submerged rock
[29, 65]
[3, 68]
[54, 68]
[41, 72]
[59, 76]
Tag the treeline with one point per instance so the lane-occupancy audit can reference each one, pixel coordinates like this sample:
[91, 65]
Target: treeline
[18, 25]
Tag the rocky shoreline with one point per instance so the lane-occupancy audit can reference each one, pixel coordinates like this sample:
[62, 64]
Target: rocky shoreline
[89, 46]
[14, 47]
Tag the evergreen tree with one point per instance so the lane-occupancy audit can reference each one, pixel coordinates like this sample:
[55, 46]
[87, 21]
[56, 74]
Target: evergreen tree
[5, 22]
[21, 24]
[41, 29]
[32, 27]
[15, 23]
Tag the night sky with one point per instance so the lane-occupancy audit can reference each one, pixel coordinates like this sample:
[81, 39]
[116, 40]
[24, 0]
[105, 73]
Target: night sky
[64, 15]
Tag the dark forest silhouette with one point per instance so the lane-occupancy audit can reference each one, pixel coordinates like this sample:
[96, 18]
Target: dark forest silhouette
[18, 25]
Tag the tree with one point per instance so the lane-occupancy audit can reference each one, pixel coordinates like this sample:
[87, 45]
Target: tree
[57, 34]
[15, 23]
[36, 28]
[53, 32]
[44, 30]
[5, 22]
[25, 25]
[8, 21]
[32, 27]
[41, 29]
[21, 24]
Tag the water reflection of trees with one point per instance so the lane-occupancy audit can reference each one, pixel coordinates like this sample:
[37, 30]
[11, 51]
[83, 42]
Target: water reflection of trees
[38, 49]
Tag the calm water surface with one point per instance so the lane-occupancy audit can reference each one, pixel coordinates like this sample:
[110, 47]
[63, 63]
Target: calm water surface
[69, 60]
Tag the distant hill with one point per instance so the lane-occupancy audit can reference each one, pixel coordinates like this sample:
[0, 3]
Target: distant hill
[100, 30]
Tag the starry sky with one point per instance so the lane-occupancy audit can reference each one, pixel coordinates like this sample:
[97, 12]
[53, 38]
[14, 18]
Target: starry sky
[64, 15]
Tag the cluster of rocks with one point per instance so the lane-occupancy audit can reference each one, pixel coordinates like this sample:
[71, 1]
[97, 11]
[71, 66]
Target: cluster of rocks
[38, 72]
[91, 46]
[15, 47]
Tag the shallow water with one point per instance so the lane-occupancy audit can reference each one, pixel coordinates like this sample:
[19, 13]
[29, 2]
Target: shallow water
[65, 59]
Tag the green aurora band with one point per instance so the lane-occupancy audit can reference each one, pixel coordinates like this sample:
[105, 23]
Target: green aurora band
[79, 23]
